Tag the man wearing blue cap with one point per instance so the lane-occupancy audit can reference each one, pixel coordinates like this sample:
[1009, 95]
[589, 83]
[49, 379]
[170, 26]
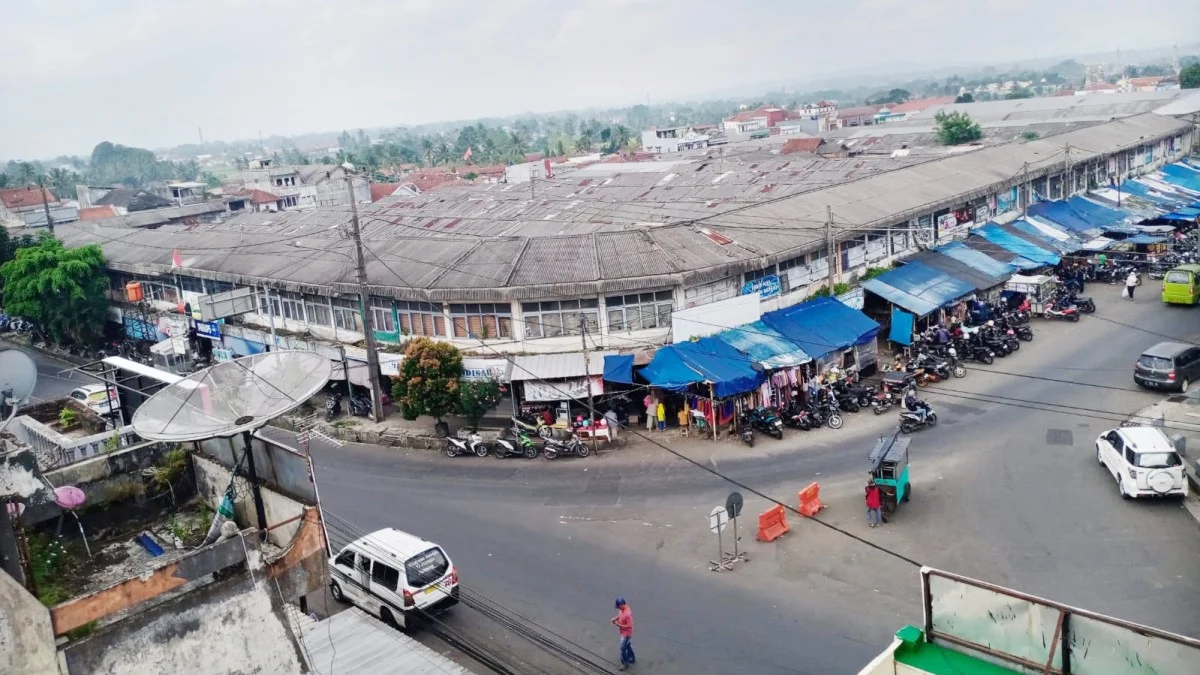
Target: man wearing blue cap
[624, 623]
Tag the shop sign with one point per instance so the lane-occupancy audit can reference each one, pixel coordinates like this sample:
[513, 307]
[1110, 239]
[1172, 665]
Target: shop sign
[209, 329]
[766, 287]
[484, 369]
[558, 390]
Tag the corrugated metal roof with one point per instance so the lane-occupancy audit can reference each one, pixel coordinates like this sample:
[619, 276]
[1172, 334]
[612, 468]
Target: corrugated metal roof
[353, 642]
[554, 366]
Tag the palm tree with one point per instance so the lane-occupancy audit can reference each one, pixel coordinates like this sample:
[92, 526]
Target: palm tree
[622, 136]
[517, 146]
[427, 151]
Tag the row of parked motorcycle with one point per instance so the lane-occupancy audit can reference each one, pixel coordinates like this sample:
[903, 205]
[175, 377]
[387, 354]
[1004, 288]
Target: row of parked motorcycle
[526, 440]
[15, 324]
[1118, 269]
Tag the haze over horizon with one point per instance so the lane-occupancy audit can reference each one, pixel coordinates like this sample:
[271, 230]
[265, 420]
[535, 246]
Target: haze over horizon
[149, 74]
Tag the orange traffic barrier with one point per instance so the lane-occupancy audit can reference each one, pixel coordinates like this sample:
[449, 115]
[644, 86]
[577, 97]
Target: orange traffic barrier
[772, 524]
[810, 500]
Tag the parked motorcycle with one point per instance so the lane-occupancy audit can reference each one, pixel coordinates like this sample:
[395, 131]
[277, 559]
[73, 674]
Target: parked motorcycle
[572, 446]
[1065, 312]
[471, 445]
[846, 400]
[910, 421]
[522, 446]
[535, 425]
[333, 407]
[360, 406]
[764, 420]
[796, 417]
[1021, 330]
[973, 349]
[1085, 304]
[746, 434]
[825, 412]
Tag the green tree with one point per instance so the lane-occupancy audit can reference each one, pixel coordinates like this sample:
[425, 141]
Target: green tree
[1019, 93]
[62, 182]
[956, 128]
[428, 383]
[517, 146]
[63, 290]
[585, 143]
[1189, 78]
[475, 398]
[965, 97]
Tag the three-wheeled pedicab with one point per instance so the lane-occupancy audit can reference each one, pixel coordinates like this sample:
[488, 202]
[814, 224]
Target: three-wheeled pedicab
[889, 469]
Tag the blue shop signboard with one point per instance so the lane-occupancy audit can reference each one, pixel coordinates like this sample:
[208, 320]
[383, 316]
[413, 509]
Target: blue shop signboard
[766, 287]
[209, 329]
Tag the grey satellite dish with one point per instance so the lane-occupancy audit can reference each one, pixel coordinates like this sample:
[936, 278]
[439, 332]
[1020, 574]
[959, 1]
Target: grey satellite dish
[18, 375]
[232, 397]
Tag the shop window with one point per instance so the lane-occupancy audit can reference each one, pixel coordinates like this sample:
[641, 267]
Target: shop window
[421, 318]
[760, 274]
[292, 305]
[316, 309]
[346, 314]
[215, 287]
[191, 284]
[481, 321]
[559, 317]
[639, 311]
[268, 304]
[383, 319]
[793, 273]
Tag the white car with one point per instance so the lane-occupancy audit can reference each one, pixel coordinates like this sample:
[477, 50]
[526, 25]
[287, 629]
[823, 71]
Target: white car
[1144, 462]
[394, 575]
[92, 395]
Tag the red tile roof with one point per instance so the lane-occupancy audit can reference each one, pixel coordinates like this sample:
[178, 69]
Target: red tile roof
[794, 145]
[919, 104]
[22, 197]
[1100, 86]
[429, 179]
[1064, 92]
[381, 190]
[97, 213]
[259, 196]
[747, 115]
[1145, 81]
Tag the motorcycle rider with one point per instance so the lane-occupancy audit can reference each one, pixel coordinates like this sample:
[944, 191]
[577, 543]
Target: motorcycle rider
[915, 405]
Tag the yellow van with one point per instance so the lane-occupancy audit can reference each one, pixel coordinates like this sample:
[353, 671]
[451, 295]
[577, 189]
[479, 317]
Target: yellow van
[1180, 285]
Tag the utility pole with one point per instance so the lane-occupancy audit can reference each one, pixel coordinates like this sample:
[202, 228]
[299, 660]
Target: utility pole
[587, 375]
[46, 204]
[364, 297]
[1027, 189]
[1068, 179]
[830, 248]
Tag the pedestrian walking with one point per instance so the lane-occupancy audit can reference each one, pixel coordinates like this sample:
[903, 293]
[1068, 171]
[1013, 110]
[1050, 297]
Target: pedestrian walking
[624, 623]
[651, 409]
[1131, 283]
[874, 504]
[662, 416]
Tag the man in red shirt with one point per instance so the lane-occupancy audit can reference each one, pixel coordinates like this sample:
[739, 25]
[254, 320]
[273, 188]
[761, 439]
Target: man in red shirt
[624, 623]
[874, 504]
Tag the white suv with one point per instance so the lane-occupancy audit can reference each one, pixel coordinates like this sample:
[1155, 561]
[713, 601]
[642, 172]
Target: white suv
[1144, 462]
[395, 576]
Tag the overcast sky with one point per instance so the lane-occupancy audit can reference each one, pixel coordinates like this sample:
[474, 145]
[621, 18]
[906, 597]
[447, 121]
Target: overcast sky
[149, 73]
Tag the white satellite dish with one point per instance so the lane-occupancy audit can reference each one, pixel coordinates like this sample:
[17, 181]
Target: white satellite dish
[232, 397]
[18, 375]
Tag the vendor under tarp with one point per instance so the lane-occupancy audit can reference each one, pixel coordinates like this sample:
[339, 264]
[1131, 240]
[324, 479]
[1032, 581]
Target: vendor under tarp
[919, 288]
[707, 360]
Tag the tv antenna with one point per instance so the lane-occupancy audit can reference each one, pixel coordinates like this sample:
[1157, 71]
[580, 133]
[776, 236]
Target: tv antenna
[18, 378]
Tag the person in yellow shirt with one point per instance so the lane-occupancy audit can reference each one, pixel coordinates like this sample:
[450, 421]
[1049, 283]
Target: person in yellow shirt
[662, 417]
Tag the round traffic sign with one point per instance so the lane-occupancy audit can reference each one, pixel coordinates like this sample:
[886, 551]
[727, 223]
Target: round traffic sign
[718, 519]
[733, 504]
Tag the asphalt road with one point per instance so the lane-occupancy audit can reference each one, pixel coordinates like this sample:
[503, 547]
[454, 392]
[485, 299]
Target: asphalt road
[52, 381]
[1006, 489]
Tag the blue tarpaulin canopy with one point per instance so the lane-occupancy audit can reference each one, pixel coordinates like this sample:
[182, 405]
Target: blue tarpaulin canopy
[1060, 213]
[667, 370]
[957, 269]
[728, 369]
[1143, 239]
[1140, 189]
[980, 261]
[1099, 215]
[919, 288]
[1017, 246]
[902, 327]
[1030, 233]
[764, 345]
[1183, 176]
[822, 325]
[618, 368]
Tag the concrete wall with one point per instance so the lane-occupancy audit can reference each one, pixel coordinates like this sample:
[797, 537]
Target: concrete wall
[233, 626]
[211, 481]
[26, 639]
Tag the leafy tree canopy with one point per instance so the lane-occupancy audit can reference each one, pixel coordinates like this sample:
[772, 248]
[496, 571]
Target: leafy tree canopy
[475, 398]
[965, 97]
[63, 290]
[428, 383]
[956, 128]
[1189, 78]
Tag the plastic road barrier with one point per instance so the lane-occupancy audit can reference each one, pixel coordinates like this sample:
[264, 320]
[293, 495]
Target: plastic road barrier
[810, 500]
[772, 524]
